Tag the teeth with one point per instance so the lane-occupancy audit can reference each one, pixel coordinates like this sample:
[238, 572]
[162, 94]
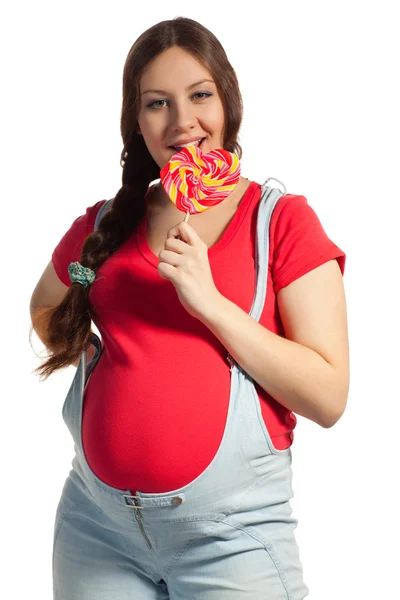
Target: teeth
[189, 144]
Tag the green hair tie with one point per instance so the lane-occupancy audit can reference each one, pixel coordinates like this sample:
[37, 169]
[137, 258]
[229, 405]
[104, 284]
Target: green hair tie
[79, 274]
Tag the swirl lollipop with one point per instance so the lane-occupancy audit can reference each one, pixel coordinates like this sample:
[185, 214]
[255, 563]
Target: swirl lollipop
[195, 182]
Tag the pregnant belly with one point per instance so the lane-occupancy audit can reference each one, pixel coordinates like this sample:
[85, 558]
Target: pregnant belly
[152, 434]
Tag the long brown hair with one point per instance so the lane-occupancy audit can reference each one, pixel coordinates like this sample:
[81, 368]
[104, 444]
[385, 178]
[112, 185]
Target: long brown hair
[67, 326]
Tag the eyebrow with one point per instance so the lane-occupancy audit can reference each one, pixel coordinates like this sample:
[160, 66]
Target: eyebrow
[188, 88]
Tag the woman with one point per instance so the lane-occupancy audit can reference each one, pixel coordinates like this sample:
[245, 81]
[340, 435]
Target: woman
[181, 483]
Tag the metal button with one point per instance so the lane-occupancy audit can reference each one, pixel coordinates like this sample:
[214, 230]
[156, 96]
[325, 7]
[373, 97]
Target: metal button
[176, 500]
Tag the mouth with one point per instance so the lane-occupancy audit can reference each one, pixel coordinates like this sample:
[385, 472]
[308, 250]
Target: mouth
[179, 148]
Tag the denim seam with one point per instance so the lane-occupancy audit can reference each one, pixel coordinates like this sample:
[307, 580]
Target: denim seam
[255, 484]
[194, 519]
[178, 556]
[133, 556]
[67, 512]
[269, 549]
[61, 521]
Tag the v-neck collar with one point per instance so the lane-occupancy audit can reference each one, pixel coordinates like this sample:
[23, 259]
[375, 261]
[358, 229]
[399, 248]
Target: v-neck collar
[224, 240]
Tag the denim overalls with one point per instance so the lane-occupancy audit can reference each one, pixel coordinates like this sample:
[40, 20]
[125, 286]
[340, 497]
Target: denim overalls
[227, 535]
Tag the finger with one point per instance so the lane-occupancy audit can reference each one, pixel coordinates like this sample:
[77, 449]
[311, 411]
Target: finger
[170, 258]
[176, 245]
[186, 232]
[167, 271]
[173, 232]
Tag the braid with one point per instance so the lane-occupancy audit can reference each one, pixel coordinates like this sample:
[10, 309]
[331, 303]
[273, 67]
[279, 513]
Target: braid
[68, 325]
[65, 329]
[127, 211]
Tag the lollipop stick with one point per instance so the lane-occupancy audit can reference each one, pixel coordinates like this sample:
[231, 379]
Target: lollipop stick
[178, 237]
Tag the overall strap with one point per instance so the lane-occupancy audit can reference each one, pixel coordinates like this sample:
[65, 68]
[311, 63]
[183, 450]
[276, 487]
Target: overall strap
[268, 201]
[103, 209]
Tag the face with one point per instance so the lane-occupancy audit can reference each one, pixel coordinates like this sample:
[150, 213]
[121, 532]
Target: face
[179, 110]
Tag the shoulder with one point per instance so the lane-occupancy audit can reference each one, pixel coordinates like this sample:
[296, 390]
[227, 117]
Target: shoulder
[69, 247]
[291, 206]
[299, 242]
[93, 211]
[293, 216]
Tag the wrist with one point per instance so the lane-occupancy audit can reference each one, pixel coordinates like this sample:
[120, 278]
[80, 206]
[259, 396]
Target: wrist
[215, 308]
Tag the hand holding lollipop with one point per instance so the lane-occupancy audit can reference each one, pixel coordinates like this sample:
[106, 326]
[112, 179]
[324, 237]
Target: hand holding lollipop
[195, 182]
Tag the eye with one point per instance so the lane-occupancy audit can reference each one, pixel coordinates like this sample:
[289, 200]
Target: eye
[151, 105]
[204, 94]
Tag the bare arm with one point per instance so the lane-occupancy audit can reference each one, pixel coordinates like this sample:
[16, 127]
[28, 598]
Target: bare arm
[308, 371]
[49, 291]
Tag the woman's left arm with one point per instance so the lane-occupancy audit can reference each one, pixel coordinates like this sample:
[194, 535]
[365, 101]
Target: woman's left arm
[308, 372]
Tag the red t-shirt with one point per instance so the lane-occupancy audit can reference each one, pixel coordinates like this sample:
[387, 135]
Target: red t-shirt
[156, 404]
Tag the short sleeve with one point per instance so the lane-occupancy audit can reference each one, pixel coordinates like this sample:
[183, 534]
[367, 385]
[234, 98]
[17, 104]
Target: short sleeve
[69, 248]
[300, 242]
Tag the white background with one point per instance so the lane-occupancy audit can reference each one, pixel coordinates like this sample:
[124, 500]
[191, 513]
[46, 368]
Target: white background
[321, 113]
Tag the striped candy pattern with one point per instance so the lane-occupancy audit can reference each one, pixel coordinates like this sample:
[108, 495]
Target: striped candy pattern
[195, 182]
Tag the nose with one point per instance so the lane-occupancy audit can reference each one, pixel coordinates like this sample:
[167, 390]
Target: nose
[182, 116]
